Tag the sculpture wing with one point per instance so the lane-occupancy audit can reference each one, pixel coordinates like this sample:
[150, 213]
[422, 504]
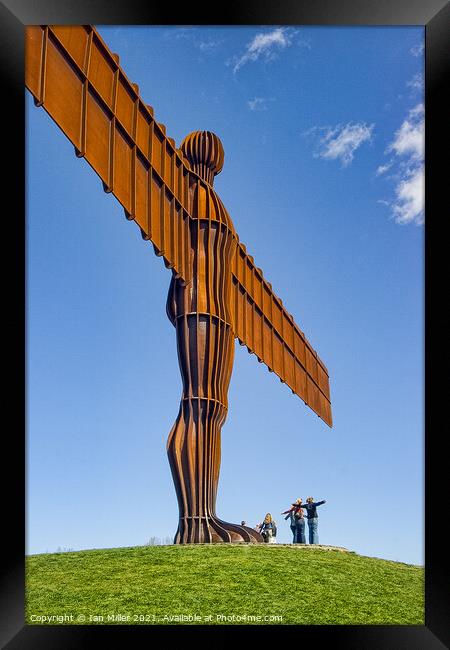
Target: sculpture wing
[263, 325]
[79, 82]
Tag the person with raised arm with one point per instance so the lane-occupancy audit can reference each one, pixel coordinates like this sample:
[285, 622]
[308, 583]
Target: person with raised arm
[313, 519]
[297, 522]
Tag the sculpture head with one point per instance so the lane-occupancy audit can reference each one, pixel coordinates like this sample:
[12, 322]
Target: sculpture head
[205, 154]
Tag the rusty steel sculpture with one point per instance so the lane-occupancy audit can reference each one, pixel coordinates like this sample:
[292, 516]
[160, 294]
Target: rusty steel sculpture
[216, 293]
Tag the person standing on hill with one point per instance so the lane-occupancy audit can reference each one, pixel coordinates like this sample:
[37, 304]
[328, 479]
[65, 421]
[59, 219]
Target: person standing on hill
[293, 524]
[313, 519]
[295, 514]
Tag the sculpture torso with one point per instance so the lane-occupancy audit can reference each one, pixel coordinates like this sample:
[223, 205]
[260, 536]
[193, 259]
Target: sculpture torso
[204, 302]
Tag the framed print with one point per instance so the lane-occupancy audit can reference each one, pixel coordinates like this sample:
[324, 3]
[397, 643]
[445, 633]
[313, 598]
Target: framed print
[313, 116]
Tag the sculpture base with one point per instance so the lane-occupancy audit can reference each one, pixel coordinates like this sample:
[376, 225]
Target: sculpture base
[212, 530]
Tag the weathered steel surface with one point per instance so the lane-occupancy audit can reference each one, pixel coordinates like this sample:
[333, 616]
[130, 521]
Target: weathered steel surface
[201, 313]
[263, 325]
[79, 82]
[216, 293]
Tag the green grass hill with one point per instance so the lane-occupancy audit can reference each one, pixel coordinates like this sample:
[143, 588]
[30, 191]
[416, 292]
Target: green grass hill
[222, 584]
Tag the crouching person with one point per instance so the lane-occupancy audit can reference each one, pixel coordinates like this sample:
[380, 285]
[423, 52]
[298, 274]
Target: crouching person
[268, 529]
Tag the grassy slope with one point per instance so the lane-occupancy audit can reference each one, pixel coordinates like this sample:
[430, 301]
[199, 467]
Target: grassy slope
[304, 586]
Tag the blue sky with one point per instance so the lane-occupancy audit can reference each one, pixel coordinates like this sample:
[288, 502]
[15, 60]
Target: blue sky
[322, 129]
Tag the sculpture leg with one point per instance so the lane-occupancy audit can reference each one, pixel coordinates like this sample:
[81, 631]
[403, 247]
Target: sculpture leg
[205, 352]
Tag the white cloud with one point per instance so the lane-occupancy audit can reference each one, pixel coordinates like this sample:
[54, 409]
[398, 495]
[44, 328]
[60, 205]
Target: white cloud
[265, 44]
[410, 193]
[208, 46]
[259, 103]
[409, 139]
[383, 168]
[417, 50]
[342, 141]
[179, 32]
[408, 147]
[301, 42]
[194, 34]
[416, 83]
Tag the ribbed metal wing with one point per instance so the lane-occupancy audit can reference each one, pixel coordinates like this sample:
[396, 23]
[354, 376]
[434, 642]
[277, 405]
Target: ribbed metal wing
[263, 325]
[72, 74]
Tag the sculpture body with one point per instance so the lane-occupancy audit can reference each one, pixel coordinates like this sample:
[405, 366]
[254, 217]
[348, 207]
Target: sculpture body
[201, 312]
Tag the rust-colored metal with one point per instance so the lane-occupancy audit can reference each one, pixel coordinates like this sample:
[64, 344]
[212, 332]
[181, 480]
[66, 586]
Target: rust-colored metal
[263, 325]
[216, 292]
[201, 313]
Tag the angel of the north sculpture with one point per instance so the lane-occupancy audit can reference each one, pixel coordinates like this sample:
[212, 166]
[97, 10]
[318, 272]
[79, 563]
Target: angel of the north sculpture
[216, 293]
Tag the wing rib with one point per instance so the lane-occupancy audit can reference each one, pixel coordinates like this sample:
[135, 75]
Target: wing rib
[263, 325]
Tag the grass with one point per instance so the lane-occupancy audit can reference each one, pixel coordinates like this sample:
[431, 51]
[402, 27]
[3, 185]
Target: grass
[163, 584]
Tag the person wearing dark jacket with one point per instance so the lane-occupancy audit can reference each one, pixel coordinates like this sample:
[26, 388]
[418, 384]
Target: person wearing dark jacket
[313, 519]
[268, 528]
[297, 521]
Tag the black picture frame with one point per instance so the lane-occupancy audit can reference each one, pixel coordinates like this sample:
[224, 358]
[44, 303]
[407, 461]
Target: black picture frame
[434, 15]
